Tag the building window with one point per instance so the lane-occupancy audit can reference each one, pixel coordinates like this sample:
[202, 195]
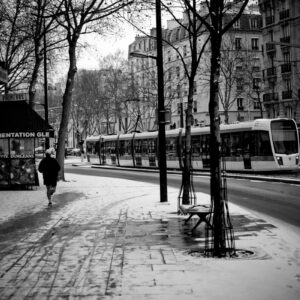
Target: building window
[195, 106]
[169, 55]
[237, 24]
[238, 69]
[178, 90]
[254, 44]
[271, 35]
[184, 50]
[239, 103]
[178, 72]
[256, 82]
[256, 104]
[177, 34]
[253, 23]
[239, 84]
[179, 107]
[286, 30]
[195, 87]
[20, 96]
[169, 91]
[238, 44]
[287, 84]
[286, 57]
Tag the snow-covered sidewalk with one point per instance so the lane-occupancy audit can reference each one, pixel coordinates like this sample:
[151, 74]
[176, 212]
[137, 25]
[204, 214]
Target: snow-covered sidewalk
[119, 242]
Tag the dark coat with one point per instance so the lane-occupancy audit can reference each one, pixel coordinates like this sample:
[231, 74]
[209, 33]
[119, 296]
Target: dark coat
[50, 168]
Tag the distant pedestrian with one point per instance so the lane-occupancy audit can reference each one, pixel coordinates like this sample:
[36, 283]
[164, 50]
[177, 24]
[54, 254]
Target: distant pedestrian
[49, 167]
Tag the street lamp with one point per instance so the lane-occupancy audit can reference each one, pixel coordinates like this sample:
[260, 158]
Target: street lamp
[161, 105]
[161, 108]
[45, 83]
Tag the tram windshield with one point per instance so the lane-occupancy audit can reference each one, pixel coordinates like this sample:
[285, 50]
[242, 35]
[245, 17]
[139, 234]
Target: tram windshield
[284, 136]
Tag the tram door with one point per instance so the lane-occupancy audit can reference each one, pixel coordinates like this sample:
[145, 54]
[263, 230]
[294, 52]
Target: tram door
[247, 150]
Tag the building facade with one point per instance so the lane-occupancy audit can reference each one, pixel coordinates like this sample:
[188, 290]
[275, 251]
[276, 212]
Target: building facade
[281, 53]
[240, 97]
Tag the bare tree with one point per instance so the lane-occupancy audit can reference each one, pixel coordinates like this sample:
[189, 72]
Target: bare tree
[15, 45]
[77, 18]
[217, 28]
[193, 30]
[45, 38]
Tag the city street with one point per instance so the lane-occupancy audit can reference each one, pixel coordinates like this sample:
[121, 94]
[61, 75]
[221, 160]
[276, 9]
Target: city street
[254, 194]
[110, 238]
[171, 129]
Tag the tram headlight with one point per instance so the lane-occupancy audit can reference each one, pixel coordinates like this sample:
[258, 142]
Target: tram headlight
[279, 160]
[297, 160]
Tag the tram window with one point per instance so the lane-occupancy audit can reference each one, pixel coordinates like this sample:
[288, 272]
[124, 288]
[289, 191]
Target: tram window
[226, 144]
[171, 147]
[204, 145]
[144, 147]
[96, 148]
[121, 148]
[284, 137]
[128, 148]
[196, 147]
[113, 147]
[152, 146]
[246, 143]
[138, 146]
[237, 144]
[89, 147]
[262, 144]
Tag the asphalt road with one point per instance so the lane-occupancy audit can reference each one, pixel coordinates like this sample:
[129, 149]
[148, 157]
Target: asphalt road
[275, 199]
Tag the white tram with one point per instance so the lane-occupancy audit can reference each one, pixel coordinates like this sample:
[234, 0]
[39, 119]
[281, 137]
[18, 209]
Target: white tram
[259, 145]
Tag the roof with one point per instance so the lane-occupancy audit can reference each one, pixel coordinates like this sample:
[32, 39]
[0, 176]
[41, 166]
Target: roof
[18, 116]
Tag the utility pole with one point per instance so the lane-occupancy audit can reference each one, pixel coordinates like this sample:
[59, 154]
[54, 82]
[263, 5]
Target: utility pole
[161, 109]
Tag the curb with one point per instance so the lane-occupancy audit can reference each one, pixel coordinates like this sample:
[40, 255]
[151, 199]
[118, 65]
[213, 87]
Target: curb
[228, 175]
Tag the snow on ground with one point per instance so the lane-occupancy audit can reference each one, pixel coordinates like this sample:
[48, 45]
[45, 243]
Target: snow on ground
[275, 274]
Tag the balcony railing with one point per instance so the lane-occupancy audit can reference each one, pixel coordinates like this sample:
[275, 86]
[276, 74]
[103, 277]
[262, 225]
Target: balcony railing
[286, 39]
[270, 47]
[286, 68]
[284, 14]
[270, 20]
[270, 97]
[286, 95]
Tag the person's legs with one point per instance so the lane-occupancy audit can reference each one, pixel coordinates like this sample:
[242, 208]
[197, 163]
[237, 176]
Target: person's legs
[53, 189]
[49, 194]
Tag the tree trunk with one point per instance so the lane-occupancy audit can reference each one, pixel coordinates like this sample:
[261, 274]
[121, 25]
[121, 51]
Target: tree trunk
[215, 144]
[187, 163]
[67, 101]
[33, 81]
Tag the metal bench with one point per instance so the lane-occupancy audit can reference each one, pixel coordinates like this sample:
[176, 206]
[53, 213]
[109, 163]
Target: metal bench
[202, 211]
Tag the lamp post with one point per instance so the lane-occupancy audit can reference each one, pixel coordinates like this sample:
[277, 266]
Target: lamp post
[160, 106]
[161, 109]
[45, 83]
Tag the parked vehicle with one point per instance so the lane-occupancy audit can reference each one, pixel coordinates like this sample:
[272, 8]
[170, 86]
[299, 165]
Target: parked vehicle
[70, 151]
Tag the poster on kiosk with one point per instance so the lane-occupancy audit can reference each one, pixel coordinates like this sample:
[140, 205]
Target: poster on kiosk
[20, 129]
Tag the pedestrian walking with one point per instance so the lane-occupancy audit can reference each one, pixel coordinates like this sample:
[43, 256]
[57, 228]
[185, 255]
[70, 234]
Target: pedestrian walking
[49, 167]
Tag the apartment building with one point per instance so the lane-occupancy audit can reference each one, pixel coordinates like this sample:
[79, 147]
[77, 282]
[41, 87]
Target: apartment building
[239, 100]
[281, 56]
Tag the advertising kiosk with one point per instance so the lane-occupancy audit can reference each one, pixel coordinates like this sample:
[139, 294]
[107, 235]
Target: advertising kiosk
[20, 127]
